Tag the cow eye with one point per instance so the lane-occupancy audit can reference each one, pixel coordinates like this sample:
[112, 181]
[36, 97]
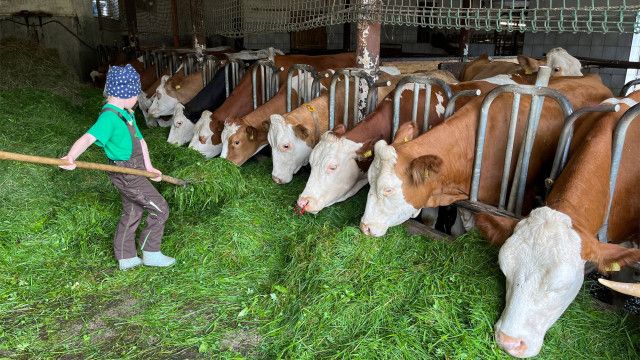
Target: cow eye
[237, 142]
[286, 146]
[388, 191]
[332, 167]
[556, 69]
[158, 94]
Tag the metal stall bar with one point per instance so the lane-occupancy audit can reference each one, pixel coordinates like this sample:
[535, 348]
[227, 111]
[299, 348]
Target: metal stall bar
[619, 137]
[357, 74]
[562, 150]
[269, 80]
[627, 86]
[417, 81]
[307, 93]
[538, 94]
[233, 71]
[451, 105]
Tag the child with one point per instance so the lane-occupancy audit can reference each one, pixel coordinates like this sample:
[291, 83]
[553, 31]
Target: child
[117, 133]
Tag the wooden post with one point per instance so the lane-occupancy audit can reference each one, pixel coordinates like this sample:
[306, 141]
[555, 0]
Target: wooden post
[174, 23]
[132, 22]
[197, 19]
[465, 35]
[368, 48]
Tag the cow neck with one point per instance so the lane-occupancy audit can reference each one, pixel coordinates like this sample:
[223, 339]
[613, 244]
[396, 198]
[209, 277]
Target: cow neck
[312, 115]
[582, 190]
[373, 127]
[275, 105]
[238, 104]
[190, 86]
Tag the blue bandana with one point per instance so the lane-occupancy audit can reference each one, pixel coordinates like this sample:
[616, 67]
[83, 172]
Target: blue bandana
[122, 82]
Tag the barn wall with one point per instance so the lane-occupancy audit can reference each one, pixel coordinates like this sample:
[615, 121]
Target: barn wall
[613, 46]
[75, 15]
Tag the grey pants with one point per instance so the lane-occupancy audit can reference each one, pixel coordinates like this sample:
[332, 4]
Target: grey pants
[138, 194]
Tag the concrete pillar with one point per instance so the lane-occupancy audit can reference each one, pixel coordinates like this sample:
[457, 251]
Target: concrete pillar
[367, 47]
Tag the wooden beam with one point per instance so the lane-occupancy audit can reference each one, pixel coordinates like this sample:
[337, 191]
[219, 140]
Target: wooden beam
[417, 228]
[174, 23]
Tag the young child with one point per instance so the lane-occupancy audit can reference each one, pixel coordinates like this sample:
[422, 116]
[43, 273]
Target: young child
[117, 133]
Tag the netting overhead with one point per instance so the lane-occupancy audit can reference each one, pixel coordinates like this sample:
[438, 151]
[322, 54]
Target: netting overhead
[236, 18]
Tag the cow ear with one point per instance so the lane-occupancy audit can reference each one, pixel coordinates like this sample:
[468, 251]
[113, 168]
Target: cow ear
[406, 132]
[529, 65]
[496, 229]
[484, 56]
[339, 130]
[366, 150]
[422, 168]
[301, 131]
[608, 257]
[266, 125]
[252, 133]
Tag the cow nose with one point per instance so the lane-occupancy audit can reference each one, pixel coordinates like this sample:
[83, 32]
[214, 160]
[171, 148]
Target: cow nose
[365, 228]
[202, 139]
[513, 346]
[276, 179]
[303, 201]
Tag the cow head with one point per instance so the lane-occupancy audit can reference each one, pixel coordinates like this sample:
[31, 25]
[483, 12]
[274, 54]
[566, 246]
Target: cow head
[542, 258]
[163, 104]
[558, 59]
[144, 103]
[289, 148]
[181, 129]
[335, 174]
[386, 203]
[201, 140]
[240, 141]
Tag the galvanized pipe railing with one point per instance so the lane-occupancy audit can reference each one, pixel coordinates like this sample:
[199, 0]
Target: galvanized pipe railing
[304, 91]
[619, 137]
[538, 94]
[357, 75]
[562, 150]
[233, 71]
[269, 80]
[627, 86]
[417, 81]
[451, 105]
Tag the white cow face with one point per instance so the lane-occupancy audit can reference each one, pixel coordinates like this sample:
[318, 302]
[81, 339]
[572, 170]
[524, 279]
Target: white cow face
[562, 63]
[145, 102]
[289, 152]
[335, 175]
[201, 140]
[182, 129]
[544, 272]
[163, 104]
[229, 130]
[386, 205]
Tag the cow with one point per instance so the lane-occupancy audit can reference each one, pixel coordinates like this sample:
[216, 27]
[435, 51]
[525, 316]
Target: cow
[177, 89]
[239, 104]
[339, 163]
[292, 136]
[209, 98]
[435, 168]
[558, 59]
[201, 141]
[543, 256]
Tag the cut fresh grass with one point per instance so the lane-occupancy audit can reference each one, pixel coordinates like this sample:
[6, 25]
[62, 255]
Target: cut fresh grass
[253, 279]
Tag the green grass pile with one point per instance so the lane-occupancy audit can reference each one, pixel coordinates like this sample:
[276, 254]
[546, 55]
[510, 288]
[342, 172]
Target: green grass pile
[253, 279]
[26, 65]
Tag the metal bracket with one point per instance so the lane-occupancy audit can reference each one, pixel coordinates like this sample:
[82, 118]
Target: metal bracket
[305, 92]
[627, 86]
[269, 77]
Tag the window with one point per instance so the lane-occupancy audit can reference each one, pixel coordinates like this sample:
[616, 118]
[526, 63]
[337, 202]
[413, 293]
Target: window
[108, 8]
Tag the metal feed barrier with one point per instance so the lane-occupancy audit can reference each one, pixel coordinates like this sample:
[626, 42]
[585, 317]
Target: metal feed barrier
[304, 91]
[418, 81]
[357, 75]
[627, 86]
[268, 79]
[538, 93]
[618, 143]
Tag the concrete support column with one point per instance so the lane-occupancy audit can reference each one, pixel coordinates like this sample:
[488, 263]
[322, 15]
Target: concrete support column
[367, 46]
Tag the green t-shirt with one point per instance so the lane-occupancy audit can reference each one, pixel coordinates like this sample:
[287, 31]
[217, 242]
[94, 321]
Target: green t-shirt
[112, 134]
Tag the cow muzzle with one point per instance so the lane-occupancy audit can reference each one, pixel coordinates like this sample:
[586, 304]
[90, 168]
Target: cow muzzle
[516, 347]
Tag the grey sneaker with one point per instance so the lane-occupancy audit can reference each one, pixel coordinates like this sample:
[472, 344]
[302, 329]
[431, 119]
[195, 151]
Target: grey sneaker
[157, 258]
[129, 263]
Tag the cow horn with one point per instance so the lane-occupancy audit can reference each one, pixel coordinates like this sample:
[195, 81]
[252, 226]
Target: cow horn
[632, 289]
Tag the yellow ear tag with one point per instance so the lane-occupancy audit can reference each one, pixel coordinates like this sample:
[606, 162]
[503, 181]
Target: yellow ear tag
[405, 139]
[528, 72]
[367, 154]
[310, 108]
[251, 137]
[177, 87]
[613, 267]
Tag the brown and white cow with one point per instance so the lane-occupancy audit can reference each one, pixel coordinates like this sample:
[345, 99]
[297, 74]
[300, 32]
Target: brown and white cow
[340, 161]
[435, 168]
[178, 89]
[239, 102]
[558, 59]
[543, 255]
[292, 136]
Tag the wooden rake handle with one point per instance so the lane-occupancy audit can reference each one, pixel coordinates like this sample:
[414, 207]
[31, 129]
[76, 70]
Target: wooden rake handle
[4, 155]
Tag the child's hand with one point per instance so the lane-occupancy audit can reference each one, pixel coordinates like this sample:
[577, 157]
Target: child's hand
[71, 162]
[154, 170]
